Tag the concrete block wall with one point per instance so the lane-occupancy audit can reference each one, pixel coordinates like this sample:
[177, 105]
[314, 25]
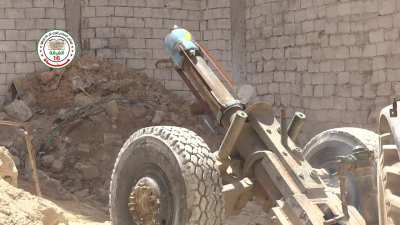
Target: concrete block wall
[132, 33]
[338, 61]
[22, 22]
[216, 30]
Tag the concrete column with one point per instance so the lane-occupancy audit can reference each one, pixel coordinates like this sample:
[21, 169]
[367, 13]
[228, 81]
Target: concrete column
[238, 29]
[73, 19]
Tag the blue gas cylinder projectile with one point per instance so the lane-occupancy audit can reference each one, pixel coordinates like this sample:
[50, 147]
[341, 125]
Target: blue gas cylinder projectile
[179, 36]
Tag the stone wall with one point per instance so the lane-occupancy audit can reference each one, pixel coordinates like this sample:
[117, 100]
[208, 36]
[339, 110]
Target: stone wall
[338, 61]
[22, 22]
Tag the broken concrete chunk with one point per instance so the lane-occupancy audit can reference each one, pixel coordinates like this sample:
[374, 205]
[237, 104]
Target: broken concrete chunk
[88, 171]
[84, 148]
[158, 117]
[52, 217]
[19, 110]
[111, 139]
[82, 100]
[138, 110]
[112, 109]
[48, 160]
[57, 165]
[79, 84]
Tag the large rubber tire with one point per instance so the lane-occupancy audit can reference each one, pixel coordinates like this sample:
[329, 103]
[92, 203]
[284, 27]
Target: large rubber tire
[181, 161]
[321, 152]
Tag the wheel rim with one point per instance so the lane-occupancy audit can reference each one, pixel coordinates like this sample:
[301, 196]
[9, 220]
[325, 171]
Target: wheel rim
[144, 201]
[151, 201]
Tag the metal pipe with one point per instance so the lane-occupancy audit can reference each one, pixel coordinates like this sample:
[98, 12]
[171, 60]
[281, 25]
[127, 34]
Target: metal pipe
[296, 125]
[284, 131]
[232, 135]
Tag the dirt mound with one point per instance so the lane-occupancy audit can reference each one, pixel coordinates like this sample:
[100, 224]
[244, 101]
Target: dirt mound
[80, 118]
[20, 207]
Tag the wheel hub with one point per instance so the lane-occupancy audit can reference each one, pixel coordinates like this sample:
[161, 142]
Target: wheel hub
[144, 202]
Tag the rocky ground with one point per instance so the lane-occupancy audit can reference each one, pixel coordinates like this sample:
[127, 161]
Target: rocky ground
[79, 119]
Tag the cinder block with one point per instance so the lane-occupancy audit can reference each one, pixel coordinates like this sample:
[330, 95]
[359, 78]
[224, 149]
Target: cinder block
[22, 3]
[88, 33]
[142, 12]
[387, 7]
[7, 68]
[60, 24]
[24, 24]
[123, 32]
[118, 3]
[24, 67]
[143, 33]
[134, 22]
[136, 43]
[118, 43]
[155, 3]
[138, 64]
[393, 75]
[153, 23]
[123, 11]
[356, 91]
[45, 23]
[12, 57]
[141, 3]
[105, 53]
[43, 3]
[104, 32]
[96, 43]
[376, 36]
[125, 53]
[104, 11]
[13, 35]
[7, 24]
[6, 3]
[15, 13]
[53, 13]
[116, 21]
[384, 89]
[34, 13]
[59, 4]
[98, 22]
[8, 46]
[98, 2]
[154, 44]
[24, 46]
[379, 63]
[88, 11]
[32, 57]
[369, 50]
[378, 77]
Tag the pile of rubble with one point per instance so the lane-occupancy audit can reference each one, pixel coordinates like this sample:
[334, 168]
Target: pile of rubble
[79, 119]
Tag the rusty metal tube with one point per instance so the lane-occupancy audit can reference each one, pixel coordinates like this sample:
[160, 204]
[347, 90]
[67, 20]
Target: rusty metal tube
[231, 136]
[296, 125]
[284, 131]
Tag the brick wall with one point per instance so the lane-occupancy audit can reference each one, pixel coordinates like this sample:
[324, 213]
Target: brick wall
[22, 22]
[338, 61]
[132, 33]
